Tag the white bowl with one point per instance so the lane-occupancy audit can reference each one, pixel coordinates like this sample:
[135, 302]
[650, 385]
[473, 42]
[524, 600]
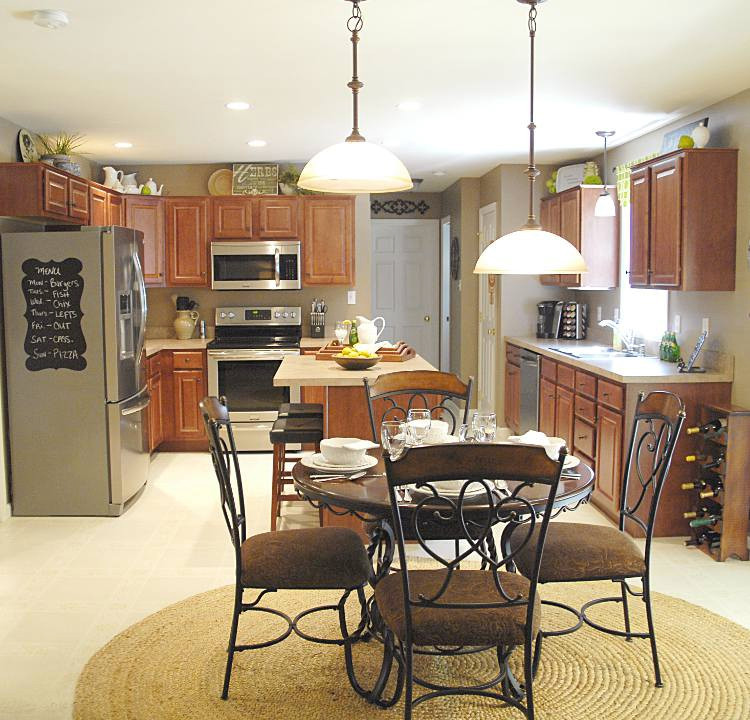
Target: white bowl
[344, 451]
[438, 431]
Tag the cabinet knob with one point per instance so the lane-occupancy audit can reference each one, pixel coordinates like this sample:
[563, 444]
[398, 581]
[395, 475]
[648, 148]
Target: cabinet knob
[582, 437]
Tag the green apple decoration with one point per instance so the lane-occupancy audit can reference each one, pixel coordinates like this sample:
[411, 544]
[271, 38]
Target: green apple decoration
[685, 142]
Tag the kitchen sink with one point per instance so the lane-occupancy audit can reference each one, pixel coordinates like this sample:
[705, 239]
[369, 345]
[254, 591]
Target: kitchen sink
[596, 353]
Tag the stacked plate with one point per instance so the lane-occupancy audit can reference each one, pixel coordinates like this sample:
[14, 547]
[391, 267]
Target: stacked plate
[316, 461]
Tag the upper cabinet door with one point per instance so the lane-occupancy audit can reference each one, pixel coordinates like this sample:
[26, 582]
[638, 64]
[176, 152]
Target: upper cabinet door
[99, 213]
[570, 228]
[666, 222]
[147, 215]
[278, 217]
[328, 247]
[640, 230]
[232, 218]
[186, 241]
[116, 209]
[78, 194]
[55, 192]
[549, 217]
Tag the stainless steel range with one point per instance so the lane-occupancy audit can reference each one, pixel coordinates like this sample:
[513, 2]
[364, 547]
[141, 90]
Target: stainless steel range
[249, 346]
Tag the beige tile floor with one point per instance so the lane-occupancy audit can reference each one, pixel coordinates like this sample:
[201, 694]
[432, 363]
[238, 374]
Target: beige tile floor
[67, 585]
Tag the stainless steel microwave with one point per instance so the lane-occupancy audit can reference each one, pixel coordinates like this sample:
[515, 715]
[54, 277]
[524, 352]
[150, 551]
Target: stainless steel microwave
[249, 265]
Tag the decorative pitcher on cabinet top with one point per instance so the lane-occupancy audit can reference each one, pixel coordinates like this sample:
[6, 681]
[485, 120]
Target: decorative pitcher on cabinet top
[184, 324]
[367, 330]
[112, 177]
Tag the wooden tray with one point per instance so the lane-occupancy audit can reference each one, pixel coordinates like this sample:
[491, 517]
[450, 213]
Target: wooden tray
[399, 353]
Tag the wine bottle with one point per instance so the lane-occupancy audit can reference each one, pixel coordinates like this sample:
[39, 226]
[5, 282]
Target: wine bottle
[709, 482]
[705, 507]
[711, 427]
[706, 521]
[704, 535]
[707, 461]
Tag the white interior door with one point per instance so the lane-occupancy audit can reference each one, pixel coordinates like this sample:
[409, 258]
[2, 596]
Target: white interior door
[405, 272]
[487, 315]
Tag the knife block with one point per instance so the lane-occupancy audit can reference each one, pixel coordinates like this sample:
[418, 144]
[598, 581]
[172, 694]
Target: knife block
[317, 325]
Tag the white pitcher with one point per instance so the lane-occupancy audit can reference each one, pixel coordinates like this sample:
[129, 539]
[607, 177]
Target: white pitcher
[367, 331]
[184, 324]
[129, 180]
[112, 177]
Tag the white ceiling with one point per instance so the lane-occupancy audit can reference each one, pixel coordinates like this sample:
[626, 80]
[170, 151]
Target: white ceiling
[158, 73]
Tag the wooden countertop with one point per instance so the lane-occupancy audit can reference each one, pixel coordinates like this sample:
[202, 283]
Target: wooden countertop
[643, 370]
[305, 370]
[155, 345]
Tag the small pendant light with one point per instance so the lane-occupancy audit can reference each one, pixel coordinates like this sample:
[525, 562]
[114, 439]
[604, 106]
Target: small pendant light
[530, 250]
[605, 204]
[355, 165]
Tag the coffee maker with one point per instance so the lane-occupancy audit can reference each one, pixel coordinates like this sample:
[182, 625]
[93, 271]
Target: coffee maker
[548, 318]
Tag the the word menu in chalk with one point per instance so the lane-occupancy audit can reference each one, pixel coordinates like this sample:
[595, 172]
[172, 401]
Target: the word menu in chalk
[54, 338]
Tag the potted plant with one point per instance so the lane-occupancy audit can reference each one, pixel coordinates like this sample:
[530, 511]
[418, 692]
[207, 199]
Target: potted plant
[288, 182]
[59, 149]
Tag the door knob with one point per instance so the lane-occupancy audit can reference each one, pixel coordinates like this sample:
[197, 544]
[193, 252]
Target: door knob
[427, 318]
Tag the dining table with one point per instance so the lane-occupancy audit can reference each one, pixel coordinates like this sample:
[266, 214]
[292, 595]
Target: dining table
[367, 498]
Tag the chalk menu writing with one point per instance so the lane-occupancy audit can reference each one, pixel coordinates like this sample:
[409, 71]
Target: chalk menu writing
[54, 338]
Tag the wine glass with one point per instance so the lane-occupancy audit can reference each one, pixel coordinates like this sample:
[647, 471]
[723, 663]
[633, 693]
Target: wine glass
[342, 333]
[393, 437]
[485, 426]
[419, 421]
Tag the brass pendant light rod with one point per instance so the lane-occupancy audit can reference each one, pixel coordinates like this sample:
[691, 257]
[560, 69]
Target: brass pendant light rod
[354, 25]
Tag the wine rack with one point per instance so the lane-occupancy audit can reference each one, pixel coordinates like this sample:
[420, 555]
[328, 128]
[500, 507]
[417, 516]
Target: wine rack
[726, 485]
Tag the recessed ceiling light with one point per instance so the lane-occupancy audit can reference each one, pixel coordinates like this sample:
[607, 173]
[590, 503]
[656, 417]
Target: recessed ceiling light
[51, 19]
[409, 105]
[439, 173]
[238, 105]
[257, 143]
[123, 145]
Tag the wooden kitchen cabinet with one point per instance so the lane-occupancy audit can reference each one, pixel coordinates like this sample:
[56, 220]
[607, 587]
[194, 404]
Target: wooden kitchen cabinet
[78, 192]
[156, 409]
[684, 220]
[279, 217]
[56, 198]
[609, 429]
[147, 215]
[328, 244]
[564, 415]
[115, 209]
[547, 407]
[232, 218]
[98, 210]
[186, 241]
[570, 214]
[189, 389]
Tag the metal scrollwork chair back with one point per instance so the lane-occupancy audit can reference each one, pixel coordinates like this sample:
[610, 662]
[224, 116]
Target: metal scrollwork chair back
[444, 394]
[451, 607]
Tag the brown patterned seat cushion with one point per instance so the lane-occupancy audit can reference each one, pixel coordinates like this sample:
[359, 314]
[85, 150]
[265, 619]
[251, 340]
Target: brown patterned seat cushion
[445, 626]
[574, 551]
[311, 558]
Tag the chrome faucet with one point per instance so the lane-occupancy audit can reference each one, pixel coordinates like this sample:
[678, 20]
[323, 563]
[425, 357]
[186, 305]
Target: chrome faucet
[626, 335]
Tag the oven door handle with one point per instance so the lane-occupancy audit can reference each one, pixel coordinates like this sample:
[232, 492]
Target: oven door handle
[277, 266]
[231, 355]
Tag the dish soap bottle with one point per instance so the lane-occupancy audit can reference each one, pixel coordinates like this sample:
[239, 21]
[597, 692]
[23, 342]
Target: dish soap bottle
[353, 334]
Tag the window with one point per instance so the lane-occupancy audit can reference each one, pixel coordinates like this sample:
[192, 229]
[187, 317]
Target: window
[646, 312]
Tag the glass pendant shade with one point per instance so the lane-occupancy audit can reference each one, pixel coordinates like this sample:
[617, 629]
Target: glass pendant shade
[605, 206]
[530, 251]
[355, 167]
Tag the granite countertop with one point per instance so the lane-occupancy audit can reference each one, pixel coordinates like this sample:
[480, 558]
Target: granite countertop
[643, 370]
[305, 370]
[155, 345]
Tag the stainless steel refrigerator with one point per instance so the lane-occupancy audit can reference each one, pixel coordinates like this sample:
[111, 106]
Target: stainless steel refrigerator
[75, 321]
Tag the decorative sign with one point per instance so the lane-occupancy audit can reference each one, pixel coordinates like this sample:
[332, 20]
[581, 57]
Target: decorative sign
[399, 207]
[671, 140]
[255, 179]
[54, 338]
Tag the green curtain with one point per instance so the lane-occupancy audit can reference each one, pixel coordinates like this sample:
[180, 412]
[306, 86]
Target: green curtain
[622, 172]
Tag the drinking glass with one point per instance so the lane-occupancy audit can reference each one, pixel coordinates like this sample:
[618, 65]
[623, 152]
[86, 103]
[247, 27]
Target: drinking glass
[393, 437]
[485, 426]
[419, 421]
[342, 333]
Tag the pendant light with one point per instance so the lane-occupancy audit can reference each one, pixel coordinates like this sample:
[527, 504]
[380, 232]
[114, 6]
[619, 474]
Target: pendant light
[355, 166]
[530, 250]
[605, 205]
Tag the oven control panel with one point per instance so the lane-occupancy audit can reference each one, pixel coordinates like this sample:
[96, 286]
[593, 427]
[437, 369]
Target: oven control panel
[259, 316]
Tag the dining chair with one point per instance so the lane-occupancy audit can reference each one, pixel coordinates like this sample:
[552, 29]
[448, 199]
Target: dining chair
[453, 607]
[392, 395]
[576, 552]
[329, 558]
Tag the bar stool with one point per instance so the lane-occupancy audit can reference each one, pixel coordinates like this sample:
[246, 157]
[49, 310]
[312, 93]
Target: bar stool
[292, 430]
[300, 410]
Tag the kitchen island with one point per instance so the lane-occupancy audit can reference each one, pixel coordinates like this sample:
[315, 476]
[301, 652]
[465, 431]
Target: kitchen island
[340, 391]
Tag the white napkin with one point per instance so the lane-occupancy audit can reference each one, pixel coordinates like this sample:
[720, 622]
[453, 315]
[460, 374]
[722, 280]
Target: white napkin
[360, 445]
[532, 437]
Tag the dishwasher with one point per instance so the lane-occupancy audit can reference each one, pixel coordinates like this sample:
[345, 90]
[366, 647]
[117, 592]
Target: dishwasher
[529, 419]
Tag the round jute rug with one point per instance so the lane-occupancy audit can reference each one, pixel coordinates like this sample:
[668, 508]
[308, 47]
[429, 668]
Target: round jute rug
[170, 666]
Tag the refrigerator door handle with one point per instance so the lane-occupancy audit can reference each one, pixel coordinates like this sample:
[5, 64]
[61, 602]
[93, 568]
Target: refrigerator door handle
[143, 299]
[137, 408]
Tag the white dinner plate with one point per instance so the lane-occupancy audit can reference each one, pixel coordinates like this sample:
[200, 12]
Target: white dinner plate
[449, 489]
[316, 462]
[571, 461]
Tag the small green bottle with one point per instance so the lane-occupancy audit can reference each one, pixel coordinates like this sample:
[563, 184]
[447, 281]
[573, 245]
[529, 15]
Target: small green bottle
[663, 346]
[674, 348]
[353, 334]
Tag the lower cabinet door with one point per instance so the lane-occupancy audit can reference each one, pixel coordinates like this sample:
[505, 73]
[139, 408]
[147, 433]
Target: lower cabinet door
[188, 390]
[547, 407]
[156, 412]
[608, 458]
[564, 416]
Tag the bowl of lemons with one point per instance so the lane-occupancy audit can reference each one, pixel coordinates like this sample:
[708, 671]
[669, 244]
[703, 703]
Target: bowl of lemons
[351, 359]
